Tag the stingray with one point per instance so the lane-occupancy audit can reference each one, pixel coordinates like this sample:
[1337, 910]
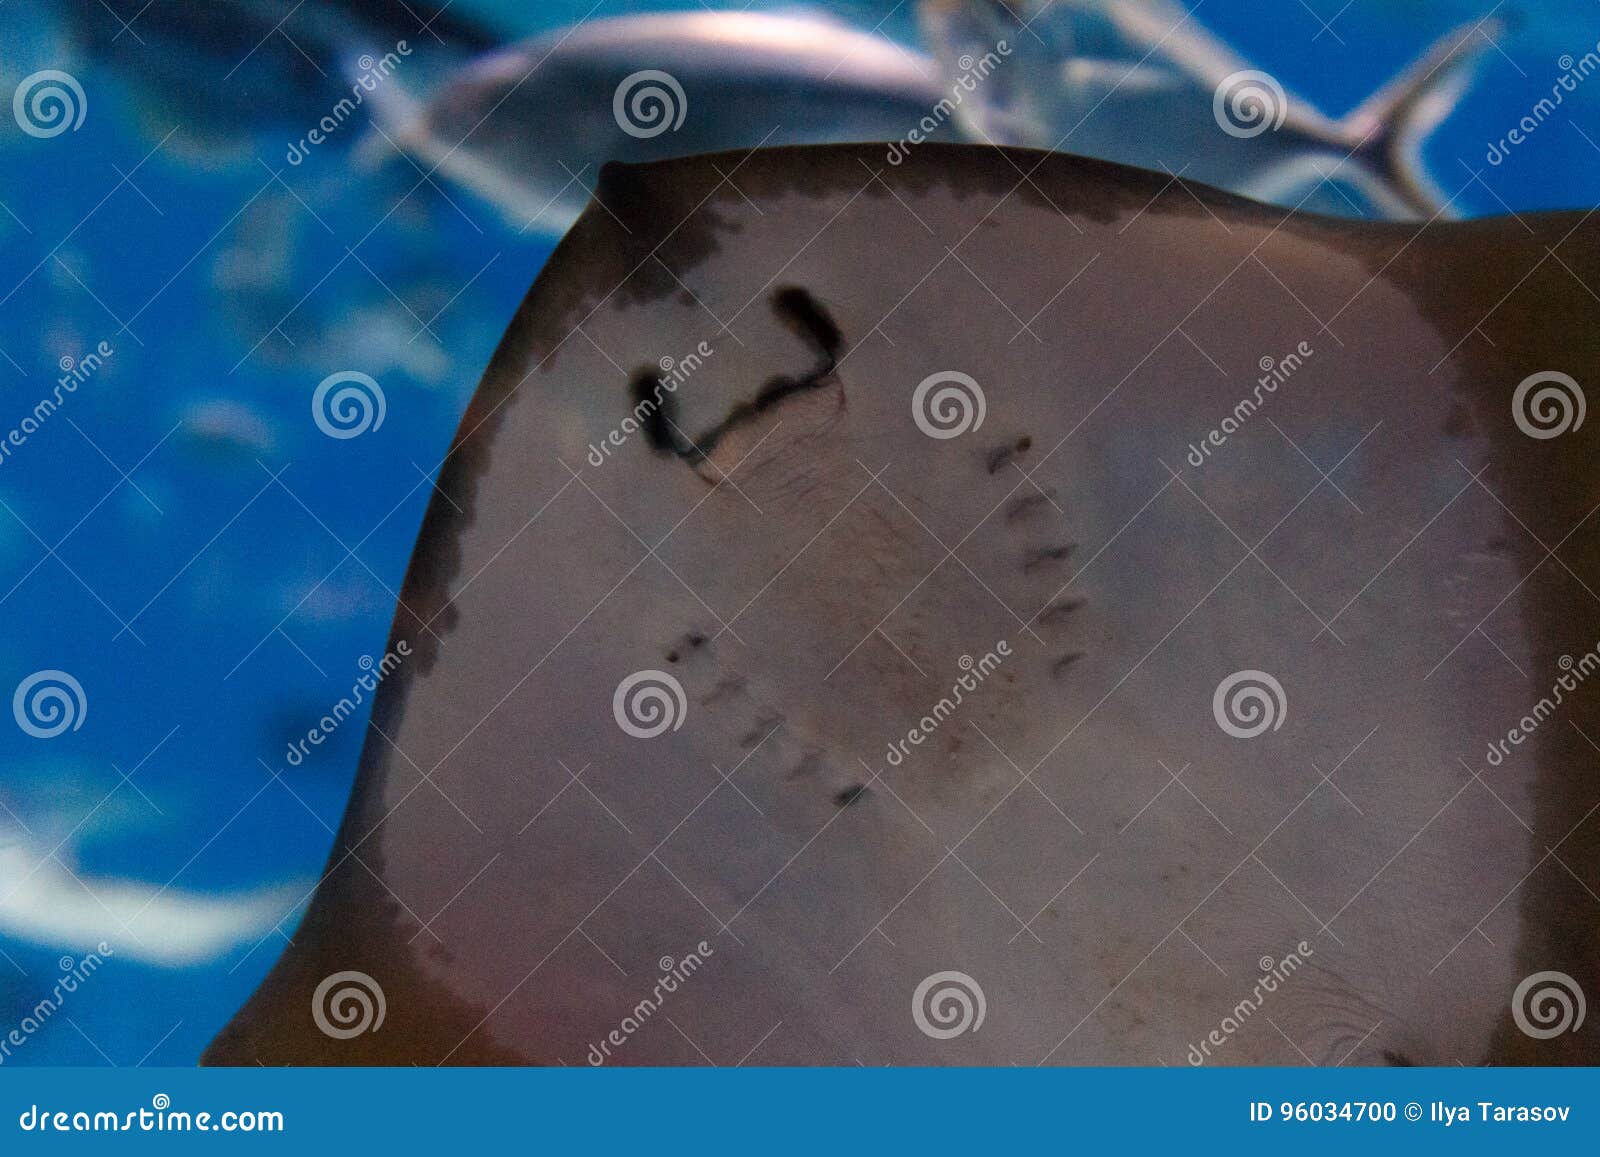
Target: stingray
[1003, 608]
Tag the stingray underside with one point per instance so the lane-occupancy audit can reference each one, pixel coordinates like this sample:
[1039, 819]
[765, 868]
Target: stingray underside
[996, 608]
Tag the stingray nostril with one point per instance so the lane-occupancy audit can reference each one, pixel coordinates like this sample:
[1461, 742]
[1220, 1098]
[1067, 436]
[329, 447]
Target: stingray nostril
[1048, 555]
[655, 410]
[850, 794]
[806, 315]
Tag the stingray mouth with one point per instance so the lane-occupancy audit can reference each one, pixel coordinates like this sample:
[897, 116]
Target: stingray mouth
[658, 411]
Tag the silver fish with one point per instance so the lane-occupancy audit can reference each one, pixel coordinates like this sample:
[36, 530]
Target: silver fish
[528, 127]
[1144, 83]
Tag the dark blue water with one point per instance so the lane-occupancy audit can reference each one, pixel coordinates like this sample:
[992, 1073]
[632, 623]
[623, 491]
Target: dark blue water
[181, 537]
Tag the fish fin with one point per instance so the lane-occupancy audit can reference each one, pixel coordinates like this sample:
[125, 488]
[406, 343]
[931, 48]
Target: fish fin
[1386, 130]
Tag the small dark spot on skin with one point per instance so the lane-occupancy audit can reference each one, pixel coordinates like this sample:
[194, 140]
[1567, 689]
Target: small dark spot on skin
[1398, 1058]
[672, 656]
[723, 689]
[1000, 455]
[1049, 554]
[763, 727]
[1060, 610]
[1059, 668]
[809, 765]
[806, 316]
[850, 794]
[659, 411]
[1025, 505]
[696, 640]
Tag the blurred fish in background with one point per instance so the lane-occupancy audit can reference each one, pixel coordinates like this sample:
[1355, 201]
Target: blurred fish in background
[231, 206]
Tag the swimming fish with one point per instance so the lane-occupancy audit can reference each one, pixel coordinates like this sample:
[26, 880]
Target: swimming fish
[1001, 608]
[1143, 82]
[46, 902]
[528, 127]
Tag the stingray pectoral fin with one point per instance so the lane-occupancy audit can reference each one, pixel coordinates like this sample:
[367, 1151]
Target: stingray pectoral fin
[1026, 620]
